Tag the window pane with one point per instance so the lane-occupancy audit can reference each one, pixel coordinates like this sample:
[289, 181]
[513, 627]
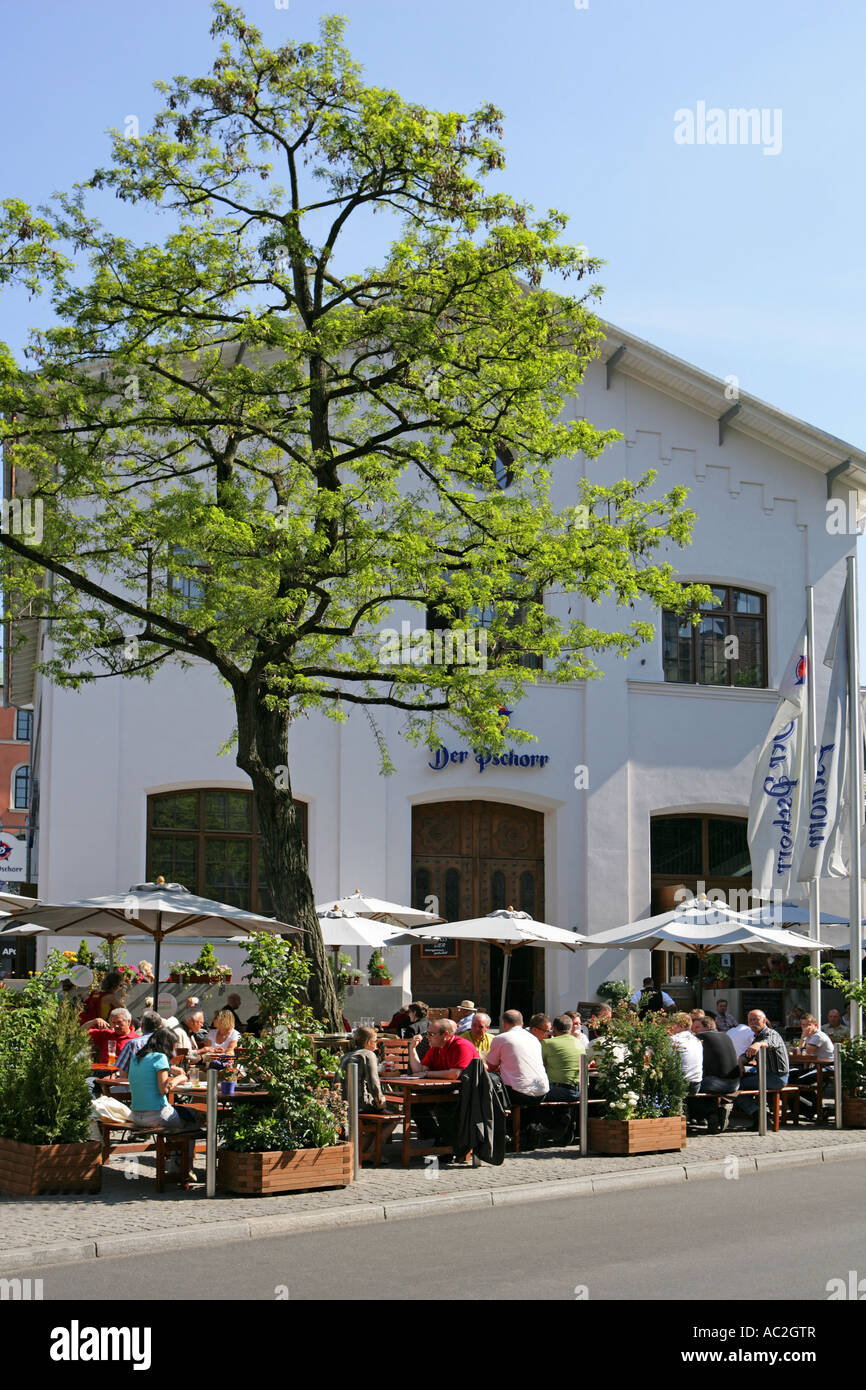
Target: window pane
[23, 720]
[179, 812]
[748, 668]
[527, 893]
[497, 890]
[712, 665]
[227, 811]
[227, 871]
[675, 845]
[22, 788]
[175, 857]
[746, 603]
[721, 595]
[452, 895]
[422, 889]
[677, 648]
[728, 849]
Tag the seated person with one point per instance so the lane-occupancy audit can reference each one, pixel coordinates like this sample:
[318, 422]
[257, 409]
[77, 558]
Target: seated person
[396, 1022]
[191, 1032]
[371, 1098]
[540, 1026]
[151, 1079]
[417, 1022]
[721, 1076]
[561, 1055]
[836, 1030]
[120, 1032]
[821, 1047]
[465, 1010]
[223, 1037]
[679, 1027]
[516, 1054]
[763, 1036]
[479, 1034]
[577, 1028]
[725, 1021]
[601, 1016]
[447, 1056]
[150, 1021]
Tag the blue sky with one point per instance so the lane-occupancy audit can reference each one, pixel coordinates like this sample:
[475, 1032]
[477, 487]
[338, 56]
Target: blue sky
[740, 261]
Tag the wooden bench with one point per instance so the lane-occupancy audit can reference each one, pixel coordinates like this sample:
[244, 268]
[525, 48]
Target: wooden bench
[546, 1105]
[375, 1124]
[164, 1141]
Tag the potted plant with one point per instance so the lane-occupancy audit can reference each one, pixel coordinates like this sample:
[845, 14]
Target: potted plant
[377, 970]
[851, 1051]
[716, 973]
[228, 1080]
[614, 992]
[204, 970]
[295, 1142]
[642, 1084]
[45, 1110]
[345, 974]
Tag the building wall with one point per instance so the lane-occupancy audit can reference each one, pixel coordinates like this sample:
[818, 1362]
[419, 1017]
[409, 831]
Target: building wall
[647, 747]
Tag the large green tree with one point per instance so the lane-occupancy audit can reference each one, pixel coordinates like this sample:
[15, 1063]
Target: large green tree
[250, 453]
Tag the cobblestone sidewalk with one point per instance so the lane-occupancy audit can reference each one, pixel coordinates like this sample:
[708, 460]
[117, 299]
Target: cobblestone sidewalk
[129, 1215]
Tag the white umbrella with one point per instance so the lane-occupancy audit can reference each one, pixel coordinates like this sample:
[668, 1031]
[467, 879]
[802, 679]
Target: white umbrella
[156, 910]
[699, 926]
[341, 928]
[362, 905]
[506, 929]
[13, 901]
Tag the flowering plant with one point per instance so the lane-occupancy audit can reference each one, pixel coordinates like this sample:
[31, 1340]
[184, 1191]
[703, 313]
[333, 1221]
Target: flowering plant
[640, 1075]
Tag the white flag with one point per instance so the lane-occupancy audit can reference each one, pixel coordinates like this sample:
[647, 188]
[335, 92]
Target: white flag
[775, 828]
[827, 820]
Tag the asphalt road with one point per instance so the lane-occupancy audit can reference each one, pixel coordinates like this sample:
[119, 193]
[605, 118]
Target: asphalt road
[771, 1235]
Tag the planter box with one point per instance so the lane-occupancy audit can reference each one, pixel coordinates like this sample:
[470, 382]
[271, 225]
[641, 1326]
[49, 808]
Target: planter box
[295, 1170]
[853, 1113]
[174, 979]
[29, 1169]
[638, 1136]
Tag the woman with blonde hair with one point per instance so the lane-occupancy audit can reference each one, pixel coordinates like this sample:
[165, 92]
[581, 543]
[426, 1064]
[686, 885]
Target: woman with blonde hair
[223, 1037]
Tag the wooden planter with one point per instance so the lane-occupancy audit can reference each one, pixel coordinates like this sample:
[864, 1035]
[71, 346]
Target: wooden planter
[638, 1136]
[853, 1113]
[294, 1170]
[26, 1170]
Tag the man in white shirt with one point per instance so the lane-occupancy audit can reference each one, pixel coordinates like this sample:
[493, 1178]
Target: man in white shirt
[516, 1055]
[818, 1045]
[740, 1035]
[690, 1050]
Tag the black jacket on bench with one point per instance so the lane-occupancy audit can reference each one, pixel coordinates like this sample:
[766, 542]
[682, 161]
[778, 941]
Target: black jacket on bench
[481, 1116]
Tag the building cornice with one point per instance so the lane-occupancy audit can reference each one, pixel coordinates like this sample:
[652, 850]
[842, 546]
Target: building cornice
[703, 692]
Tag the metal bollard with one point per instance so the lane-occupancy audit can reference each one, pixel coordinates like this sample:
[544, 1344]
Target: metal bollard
[837, 1084]
[210, 1127]
[762, 1090]
[354, 1125]
[584, 1106]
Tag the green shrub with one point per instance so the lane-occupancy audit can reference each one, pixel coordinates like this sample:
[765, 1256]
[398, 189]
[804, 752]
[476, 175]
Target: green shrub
[614, 992]
[44, 1072]
[640, 1074]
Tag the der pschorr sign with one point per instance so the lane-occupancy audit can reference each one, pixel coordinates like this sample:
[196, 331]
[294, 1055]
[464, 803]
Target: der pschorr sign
[443, 757]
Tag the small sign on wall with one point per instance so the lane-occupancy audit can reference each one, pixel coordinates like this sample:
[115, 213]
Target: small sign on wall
[443, 948]
[13, 858]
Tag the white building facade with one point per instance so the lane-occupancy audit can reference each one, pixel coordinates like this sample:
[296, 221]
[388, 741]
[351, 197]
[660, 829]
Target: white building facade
[637, 783]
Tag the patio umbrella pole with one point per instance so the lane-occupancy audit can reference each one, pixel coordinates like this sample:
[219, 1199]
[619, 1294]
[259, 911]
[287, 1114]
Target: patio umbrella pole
[506, 951]
[157, 938]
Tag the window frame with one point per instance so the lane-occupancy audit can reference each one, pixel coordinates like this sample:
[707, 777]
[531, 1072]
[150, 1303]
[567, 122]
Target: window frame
[17, 771]
[201, 834]
[28, 715]
[727, 611]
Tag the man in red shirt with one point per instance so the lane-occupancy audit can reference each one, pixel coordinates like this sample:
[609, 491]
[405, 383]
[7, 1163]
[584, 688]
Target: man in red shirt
[119, 1031]
[448, 1054]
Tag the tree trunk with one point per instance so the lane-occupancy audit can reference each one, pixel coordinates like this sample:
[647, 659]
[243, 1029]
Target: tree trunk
[263, 755]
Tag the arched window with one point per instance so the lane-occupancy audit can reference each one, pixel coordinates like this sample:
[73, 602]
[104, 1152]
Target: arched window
[208, 839]
[21, 787]
[728, 646]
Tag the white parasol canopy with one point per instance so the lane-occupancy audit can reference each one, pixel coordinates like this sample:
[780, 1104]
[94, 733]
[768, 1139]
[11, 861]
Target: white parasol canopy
[156, 910]
[505, 928]
[341, 928]
[362, 905]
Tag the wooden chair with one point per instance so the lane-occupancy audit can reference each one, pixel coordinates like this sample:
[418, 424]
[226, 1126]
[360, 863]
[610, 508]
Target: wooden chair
[395, 1052]
[376, 1125]
[165, 1142]
[784, 1103]
[434, 1015]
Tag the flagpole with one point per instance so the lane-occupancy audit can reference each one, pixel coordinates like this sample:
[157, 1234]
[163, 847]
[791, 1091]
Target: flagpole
[812, 745]
[855, 794]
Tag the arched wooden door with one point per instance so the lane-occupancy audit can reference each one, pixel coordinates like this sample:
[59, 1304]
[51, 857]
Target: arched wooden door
[474, 857]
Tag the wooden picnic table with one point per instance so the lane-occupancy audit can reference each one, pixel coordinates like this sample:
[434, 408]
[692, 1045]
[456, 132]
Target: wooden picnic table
[420, 1090]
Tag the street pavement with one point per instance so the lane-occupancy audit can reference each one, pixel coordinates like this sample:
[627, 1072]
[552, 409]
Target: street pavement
[777, 1235]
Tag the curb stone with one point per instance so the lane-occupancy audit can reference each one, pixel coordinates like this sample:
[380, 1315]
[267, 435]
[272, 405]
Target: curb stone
[67, 1252]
